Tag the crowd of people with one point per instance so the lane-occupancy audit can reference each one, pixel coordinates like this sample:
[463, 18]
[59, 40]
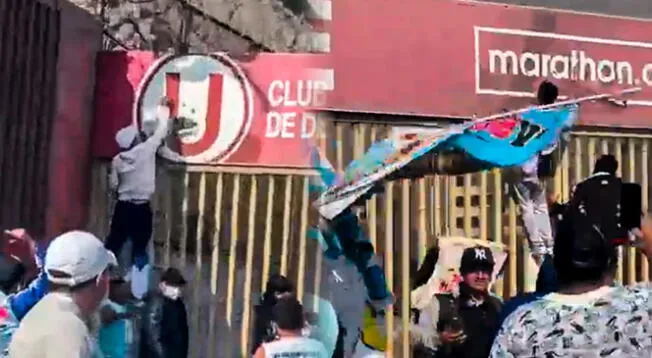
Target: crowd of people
[67, 297]
[578, 308]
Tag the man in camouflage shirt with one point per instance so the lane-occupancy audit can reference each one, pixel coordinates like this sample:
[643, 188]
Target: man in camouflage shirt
[587, 317]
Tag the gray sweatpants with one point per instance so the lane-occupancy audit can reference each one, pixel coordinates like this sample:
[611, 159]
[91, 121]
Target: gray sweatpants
[531, 198]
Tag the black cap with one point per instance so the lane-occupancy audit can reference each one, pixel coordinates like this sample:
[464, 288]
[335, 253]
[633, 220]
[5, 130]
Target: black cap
[173, 277]
[581, 246]
[477, 258]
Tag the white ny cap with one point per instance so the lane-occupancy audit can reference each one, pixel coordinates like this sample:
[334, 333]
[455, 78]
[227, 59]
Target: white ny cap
[79, 255]
[125, 136]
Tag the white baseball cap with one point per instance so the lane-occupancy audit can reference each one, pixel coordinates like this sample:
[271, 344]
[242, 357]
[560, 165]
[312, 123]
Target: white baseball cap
[78, 254]
[125, 137]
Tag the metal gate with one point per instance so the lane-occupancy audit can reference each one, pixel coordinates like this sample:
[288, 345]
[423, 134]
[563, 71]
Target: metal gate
[29, 38]
[229, 228]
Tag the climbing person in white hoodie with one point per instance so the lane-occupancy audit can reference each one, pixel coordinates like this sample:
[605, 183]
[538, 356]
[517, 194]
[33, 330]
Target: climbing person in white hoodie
[133, 179]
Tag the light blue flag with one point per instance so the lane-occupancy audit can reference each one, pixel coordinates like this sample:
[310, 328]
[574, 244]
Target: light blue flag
[498, 142]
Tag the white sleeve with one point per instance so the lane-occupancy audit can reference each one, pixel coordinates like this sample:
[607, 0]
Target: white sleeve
[162, 127]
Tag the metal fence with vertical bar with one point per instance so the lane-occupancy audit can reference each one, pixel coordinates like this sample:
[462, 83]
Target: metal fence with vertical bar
[29, 40]
[230, 228]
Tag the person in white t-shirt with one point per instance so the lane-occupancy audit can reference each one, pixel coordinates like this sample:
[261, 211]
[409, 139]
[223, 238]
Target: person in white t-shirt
[65, 322]
[290, 342]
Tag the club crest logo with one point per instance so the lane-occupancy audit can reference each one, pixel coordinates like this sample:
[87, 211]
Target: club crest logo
[212, 103]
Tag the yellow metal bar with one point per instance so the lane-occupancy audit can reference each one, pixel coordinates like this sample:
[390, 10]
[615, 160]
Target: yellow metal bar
[620, 276]
[468, 232]
[483, 207]
[631, 177]
[437, 206]
[319, 257]
[565, 170]
[389, 262]
[233, 241]
[405, 267]
[422, 214]
[303, 233]
[215, 262]
[591, 152]
[287, 210]
[645, 265]
[513, 251]
[604, 147]
[577, 161]
[358, 140]
[451, 187]
[497, 208]
[249, 266]
[339, 146]
[372, 204]
[558, 180]
[199, 235]
[267, 245]
[215, 252]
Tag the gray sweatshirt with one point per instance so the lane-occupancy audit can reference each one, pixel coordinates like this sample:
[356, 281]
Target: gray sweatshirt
[133, 172]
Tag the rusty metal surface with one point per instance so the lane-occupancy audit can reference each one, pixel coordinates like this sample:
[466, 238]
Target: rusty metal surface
[29, 37]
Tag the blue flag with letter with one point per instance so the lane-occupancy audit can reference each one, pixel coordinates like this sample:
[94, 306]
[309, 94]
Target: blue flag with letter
[494, 143]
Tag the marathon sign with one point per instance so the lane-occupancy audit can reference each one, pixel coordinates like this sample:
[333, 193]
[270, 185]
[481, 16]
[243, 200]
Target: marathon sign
[504, 67]
[257, 112]
[482, 58]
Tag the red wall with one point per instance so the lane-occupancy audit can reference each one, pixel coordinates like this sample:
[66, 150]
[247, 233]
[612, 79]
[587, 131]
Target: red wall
[430, 57]
[70, 147]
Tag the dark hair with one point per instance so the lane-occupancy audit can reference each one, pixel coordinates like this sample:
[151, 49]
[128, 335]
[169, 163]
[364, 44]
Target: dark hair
[547, 93]
[606, 163]
[173, 276]
[276, 284]
[288, 314]
[11, 273]
[581, 253]
[426, 269]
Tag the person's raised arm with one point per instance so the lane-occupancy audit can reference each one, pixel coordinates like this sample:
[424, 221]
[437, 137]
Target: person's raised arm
[30, 253]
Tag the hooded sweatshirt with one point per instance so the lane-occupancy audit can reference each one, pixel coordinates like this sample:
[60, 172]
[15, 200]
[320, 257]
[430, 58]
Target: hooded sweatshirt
[133, 172]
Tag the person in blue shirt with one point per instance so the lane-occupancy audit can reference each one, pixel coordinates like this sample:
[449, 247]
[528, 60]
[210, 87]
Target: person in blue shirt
[23, 257]
[22, 247]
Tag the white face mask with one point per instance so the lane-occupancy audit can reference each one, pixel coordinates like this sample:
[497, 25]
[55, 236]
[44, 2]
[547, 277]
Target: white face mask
[171, 292]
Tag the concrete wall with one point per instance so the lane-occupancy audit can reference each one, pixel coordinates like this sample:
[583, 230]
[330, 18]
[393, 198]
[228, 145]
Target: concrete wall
[236, 26]
[70, 161]
[632, 8]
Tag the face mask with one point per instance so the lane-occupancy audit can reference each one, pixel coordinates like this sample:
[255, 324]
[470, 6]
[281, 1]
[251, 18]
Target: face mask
[171, 292]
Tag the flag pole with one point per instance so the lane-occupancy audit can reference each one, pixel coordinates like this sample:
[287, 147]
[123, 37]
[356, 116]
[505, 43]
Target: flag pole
[559, 104]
